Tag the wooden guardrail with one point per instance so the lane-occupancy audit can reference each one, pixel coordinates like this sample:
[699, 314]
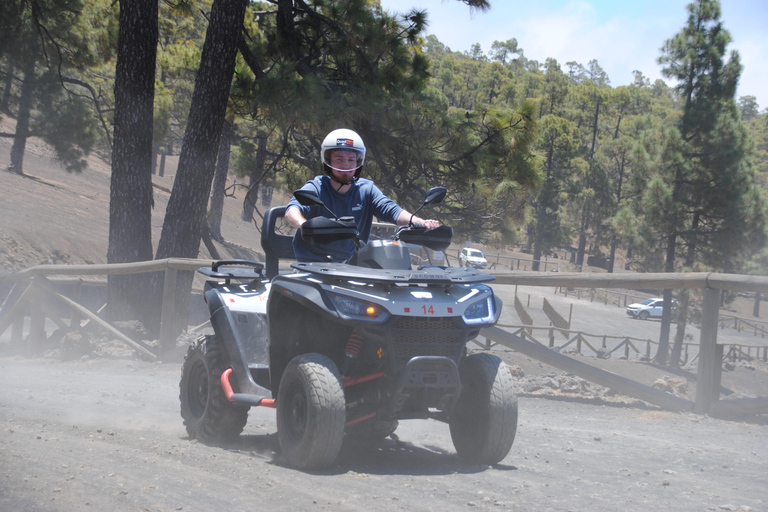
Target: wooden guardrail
[35, 281]
[753, 325]
[522, 313]
[708, 373]
[708, 376]
[556, 318]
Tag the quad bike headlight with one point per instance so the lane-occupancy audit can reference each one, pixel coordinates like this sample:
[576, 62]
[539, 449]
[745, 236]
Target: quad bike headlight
[358, 309]
[479, 312]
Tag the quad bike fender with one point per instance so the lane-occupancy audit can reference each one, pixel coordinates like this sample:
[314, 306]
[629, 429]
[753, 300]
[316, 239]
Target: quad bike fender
[223, 322]
[499, 305]
[308, 295]
[289, 303]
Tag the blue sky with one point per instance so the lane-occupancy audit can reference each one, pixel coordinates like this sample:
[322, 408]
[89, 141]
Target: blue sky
[623, 35]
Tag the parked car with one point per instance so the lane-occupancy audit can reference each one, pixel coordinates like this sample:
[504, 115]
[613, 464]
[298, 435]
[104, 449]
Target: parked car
[469, 257]
[649, 308]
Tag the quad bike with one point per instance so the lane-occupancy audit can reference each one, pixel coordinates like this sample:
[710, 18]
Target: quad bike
[349, 347]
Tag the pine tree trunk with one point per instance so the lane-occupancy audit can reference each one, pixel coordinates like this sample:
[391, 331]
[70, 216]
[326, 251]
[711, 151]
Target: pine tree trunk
[22, 121]
[666, 318]
[612, 256]
[161, 170]
[582, 247]
[5, 104]
[155, 152]
[220, 181]
[682, 321]
[254, 179]
[682, 312]
[130, 202]
[185, 213]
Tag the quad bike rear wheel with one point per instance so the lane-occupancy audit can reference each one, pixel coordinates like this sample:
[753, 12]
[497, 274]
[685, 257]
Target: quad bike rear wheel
[484, 421]
[208, 415]
[311, 412]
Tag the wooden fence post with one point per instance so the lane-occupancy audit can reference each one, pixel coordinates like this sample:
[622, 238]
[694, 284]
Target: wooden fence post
[17, 330]
[36, 319]
[168, 313]
[718, 369]
[706, 374]
[74, 316]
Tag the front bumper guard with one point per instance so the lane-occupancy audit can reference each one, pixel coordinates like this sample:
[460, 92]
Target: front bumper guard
[437, 375]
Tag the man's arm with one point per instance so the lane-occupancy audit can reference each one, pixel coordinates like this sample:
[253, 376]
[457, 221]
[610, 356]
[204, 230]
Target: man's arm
[294, 217]
[405, 216]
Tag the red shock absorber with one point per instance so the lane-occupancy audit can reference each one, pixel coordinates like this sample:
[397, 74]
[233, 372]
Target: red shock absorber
[352, 350]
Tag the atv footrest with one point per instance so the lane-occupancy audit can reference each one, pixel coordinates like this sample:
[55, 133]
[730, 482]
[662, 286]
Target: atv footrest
[255, 400]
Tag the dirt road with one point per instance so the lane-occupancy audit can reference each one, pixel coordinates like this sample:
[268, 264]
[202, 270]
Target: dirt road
[105, 435]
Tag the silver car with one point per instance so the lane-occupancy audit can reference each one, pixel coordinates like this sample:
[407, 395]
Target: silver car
[649, 308]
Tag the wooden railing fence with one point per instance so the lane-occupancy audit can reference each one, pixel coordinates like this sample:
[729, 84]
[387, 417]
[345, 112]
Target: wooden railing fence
[622, 299]
[34, 284]
[523, 314]
[556, 318]
[711, 284]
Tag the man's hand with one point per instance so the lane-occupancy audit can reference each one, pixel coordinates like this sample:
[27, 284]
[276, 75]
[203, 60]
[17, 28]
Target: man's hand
[427, 223]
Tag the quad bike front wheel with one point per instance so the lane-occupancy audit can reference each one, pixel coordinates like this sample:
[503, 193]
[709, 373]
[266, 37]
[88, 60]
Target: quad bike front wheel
[208, 415]
[484, 421]
[311, 412]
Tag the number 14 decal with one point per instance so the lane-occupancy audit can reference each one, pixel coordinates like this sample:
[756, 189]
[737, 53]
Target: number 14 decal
[428, 310]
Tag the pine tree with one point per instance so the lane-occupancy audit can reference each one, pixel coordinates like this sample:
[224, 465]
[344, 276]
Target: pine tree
[131, 200]
[44, 42]
[716, 211]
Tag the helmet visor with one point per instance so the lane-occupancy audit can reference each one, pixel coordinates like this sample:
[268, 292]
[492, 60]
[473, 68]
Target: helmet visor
[344, 159]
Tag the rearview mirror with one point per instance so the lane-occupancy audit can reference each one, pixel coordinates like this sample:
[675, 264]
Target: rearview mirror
[435, 195]
[307, 197]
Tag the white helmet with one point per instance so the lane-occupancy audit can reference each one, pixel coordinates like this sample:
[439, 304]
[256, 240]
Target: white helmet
[342, 139]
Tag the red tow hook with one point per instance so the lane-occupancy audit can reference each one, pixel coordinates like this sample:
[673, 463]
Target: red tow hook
[227, 387]
[351, 381]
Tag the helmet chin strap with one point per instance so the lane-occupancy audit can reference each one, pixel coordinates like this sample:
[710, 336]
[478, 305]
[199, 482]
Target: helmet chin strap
[341, 183]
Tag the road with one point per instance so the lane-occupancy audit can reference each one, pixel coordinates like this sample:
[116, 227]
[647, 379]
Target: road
[105, 434]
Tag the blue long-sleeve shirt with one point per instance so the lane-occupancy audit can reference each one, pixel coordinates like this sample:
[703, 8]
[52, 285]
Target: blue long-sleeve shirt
[362, 201]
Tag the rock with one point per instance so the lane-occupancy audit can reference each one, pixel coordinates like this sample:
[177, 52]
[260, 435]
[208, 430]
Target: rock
[739, 395]
[678, 387]
[133, 329]
[75, 345]
[603, 353]
[516, 371]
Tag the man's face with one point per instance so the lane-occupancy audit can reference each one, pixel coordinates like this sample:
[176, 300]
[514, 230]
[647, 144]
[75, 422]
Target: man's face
[344, 164]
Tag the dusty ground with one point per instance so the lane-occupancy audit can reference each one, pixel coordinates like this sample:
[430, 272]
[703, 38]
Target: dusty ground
[103, 432]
